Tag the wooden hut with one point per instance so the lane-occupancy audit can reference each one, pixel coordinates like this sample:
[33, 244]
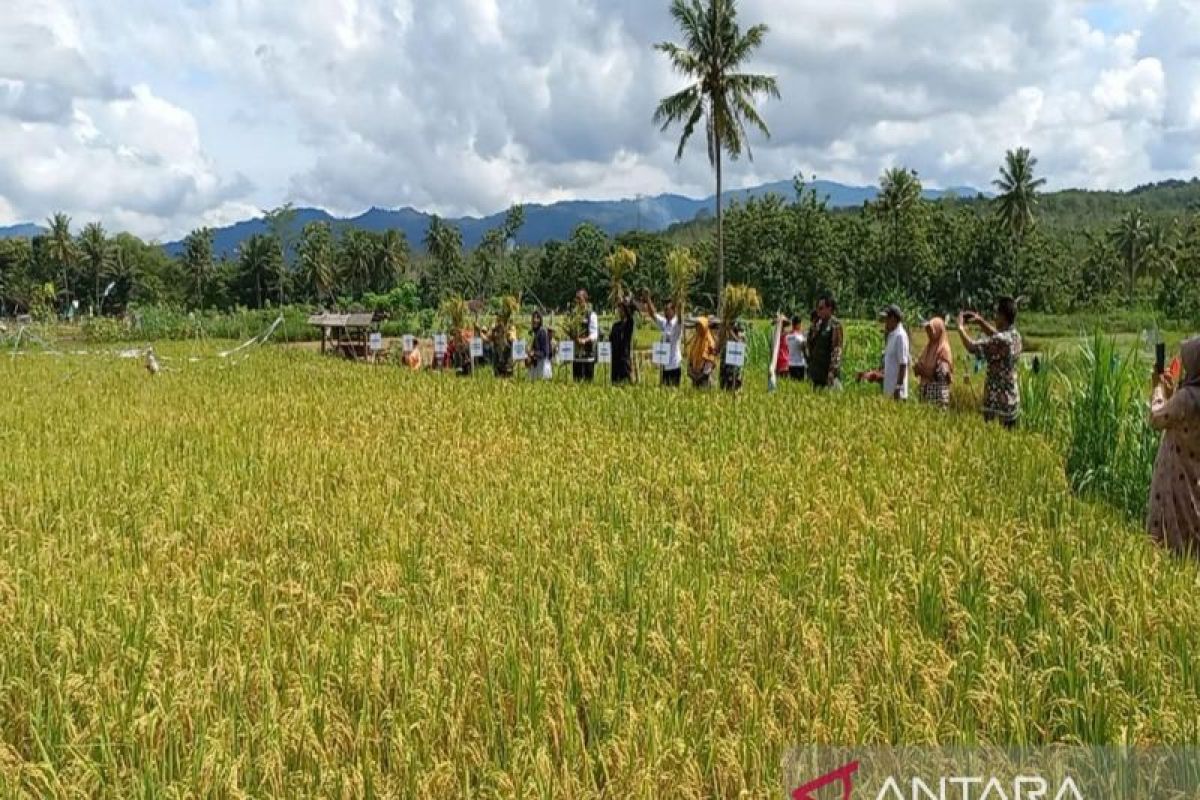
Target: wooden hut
[347, 335]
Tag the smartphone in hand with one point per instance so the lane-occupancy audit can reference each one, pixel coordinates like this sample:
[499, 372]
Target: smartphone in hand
[1160, 358]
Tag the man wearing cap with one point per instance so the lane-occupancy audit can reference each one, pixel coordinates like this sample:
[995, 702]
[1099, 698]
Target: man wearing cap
[896, 356]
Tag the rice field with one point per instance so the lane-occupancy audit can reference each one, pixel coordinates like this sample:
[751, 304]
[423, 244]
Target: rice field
[291, 576]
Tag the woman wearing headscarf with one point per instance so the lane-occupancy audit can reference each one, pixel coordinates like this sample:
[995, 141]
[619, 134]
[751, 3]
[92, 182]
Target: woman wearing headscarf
[935, 367]
[621, 340]
[541, 368]
[702, 355]
[1174, 517]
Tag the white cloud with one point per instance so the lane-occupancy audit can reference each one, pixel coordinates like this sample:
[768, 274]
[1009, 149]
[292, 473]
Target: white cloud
[463, 106]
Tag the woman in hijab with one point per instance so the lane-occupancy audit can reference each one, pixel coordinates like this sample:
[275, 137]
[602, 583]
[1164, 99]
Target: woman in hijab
[702, 355]
[1174, 518]
[935, 367]
[622, 344]
[541, 368]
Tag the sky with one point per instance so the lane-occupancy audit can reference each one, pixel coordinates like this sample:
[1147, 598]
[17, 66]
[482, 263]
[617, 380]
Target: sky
[159, 116]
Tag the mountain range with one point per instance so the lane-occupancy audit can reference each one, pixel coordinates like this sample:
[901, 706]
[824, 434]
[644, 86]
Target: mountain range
[542, 222]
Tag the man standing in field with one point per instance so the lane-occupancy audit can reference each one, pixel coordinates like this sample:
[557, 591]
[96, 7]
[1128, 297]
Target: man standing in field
[825, 346]
[583, 369]
[896, 355]
[1001, 347]
[671, 327]
[797, 344]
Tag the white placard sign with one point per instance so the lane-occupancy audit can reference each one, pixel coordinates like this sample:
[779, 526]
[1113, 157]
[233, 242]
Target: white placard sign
[439, 344]
[566, 352]
[518, 350]
[477, 348]
[604, 352]
[410, 343]
[660, 354]
[735, 354]
[375, 342]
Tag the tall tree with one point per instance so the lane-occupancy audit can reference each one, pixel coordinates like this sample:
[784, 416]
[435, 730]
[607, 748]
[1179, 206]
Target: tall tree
[317, 262]
[259, 261]
[281, 222]
[391, 260]
[97, 254]
[60, 248]
[198, 265]
[714, 51]
[356, 260]
[1131, 238]
[1016, 205]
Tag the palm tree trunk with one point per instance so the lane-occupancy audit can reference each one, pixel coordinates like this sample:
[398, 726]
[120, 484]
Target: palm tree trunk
[720, 231]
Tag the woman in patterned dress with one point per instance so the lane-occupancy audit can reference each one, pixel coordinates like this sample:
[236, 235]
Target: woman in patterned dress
[935, 367]
[1174, 516]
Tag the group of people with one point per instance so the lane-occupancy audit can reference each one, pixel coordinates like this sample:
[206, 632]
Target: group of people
[999, 347]
[814, 354]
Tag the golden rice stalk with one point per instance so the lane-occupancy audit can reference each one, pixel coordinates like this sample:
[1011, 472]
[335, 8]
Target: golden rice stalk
[739, 301]
[456, 311]
[682, 268]
[620, 263]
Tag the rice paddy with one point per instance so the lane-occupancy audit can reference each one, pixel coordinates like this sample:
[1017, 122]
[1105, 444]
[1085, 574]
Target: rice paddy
[292, 576]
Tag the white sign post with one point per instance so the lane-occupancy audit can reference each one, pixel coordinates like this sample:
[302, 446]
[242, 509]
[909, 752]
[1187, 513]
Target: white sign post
[410, 343]
[566, 352]
[375, 342]
[477, 347]
[604, 352]
[735, 354]
[660, 354]
[518, 351]
[440, 344]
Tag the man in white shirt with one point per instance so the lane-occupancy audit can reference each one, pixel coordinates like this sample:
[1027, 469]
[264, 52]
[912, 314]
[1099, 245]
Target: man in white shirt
[797, 344]
[584, 368]
[672, 336]
[896, 356]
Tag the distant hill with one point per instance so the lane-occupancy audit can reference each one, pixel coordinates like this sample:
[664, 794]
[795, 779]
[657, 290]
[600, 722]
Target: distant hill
[17, 231]
[547, 222]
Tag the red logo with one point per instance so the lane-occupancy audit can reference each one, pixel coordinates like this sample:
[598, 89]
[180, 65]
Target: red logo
[842, 774]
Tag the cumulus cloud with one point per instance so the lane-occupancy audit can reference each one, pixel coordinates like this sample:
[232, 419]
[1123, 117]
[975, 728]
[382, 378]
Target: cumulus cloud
[464, 106]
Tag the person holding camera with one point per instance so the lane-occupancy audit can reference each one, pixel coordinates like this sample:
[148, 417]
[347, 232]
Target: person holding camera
[1001, 348]
[1174, 515]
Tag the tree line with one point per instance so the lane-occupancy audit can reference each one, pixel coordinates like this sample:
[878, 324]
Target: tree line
[925, 255]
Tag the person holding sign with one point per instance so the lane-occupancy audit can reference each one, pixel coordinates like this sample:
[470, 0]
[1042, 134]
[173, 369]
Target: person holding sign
[671, 327]
[621, 339]
[734, 358]
[702, 355]
[541, 368]
[586, 334]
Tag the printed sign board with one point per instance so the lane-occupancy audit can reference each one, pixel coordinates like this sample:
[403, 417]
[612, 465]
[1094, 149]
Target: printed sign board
[410, 343]
[477, 348]
[439, 344]
[661, 354]
[375, 342]
[518, 350]
[566, 352]
[735, 354]
[604, 352]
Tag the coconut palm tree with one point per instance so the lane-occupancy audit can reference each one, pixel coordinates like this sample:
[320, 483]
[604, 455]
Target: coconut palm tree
[1131, 239]
[713, 52]
[198, 264]
[1016, 205]
[60, 247]
[317, 268]
[97, 254]
[260, 260]
[392, 260]
[899, 192]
